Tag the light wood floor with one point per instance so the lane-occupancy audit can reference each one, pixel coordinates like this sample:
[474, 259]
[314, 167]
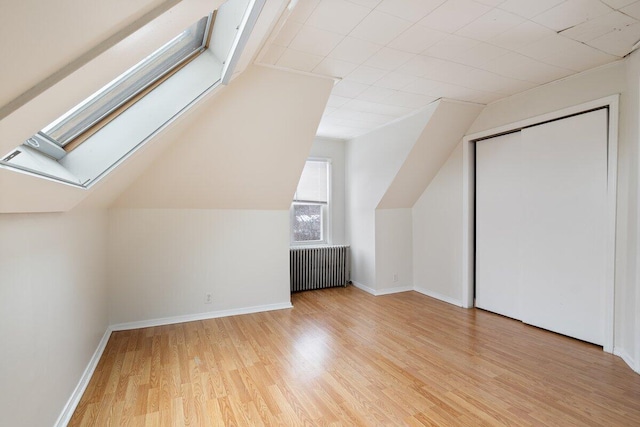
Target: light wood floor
[343, 357]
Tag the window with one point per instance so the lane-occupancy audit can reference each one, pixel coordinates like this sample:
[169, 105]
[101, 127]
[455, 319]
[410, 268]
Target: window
[310, 207]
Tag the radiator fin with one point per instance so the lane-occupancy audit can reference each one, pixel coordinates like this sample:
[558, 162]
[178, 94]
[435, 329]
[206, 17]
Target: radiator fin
[318, 267]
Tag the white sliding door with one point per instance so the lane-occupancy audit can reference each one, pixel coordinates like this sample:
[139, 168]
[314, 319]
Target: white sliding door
[498, 222]
[564, 181]
[541, 225]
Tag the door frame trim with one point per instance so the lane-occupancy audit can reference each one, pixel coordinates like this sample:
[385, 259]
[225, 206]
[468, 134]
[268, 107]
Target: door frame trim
[468, 200]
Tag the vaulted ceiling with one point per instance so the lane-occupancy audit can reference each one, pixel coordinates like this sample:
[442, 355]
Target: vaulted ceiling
[393, 57]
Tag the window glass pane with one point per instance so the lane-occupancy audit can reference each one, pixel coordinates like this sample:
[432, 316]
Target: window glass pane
[128, 84]
[307, 223]
[313, 183]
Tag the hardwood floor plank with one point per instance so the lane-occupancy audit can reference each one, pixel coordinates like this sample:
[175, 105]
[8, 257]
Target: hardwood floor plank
[343, 357]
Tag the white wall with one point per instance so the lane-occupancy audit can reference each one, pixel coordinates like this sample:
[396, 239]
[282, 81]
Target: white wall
[162, 262]
[373, 160]
[53, 310]
[334, 149]
[393, 249]
[437, 234]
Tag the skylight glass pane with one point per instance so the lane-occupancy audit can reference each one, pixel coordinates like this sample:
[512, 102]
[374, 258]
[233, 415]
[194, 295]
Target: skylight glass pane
[128, 85]
[313, 185]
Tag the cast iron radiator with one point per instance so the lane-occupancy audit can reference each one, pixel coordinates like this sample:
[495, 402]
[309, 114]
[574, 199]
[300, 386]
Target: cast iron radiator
[318, 267]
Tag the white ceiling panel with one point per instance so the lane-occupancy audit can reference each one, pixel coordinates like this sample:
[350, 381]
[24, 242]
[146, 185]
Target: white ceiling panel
[338, 16]
[377, 94]
[529, 8]
[300, 61]
[522, 35]
[618, 4]
[453, 15]
[366, 75]
[379, 27]
[354, 50]
[349, 89]
[396, 81]
[389, 59]
[315, 41]
[618, 43]
[580, 58]
[397, 56]
[598, 27]
[334, 67]
[302, 11]
[416, 39]
[412, 10]
[572, 12]
[490, 25]
[632, 10]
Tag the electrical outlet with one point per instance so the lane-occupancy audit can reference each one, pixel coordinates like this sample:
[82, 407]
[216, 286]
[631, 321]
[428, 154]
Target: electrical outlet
[395, 277]
[208, 298]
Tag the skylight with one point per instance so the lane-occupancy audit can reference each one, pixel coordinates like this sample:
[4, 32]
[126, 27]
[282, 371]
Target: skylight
[98, 134]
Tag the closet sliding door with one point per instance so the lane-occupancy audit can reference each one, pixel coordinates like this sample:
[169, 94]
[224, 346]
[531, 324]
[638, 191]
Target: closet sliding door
[564, 182]
[541, 225]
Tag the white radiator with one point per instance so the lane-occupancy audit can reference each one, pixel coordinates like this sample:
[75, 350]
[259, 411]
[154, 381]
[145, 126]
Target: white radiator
[319, 267]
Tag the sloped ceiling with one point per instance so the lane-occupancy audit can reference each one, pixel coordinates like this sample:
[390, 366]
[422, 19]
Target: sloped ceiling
[244, 150]
[396, 56]
[41, 39]
[443, 132]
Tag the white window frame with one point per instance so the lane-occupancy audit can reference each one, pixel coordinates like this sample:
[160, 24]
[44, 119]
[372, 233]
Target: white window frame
[325, 211]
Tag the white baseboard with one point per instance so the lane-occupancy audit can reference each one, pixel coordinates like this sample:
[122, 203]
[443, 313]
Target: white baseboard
[72, 403]
[627, 358]
[199, 316]
[395, 290]
[438, 296]
[380, 292]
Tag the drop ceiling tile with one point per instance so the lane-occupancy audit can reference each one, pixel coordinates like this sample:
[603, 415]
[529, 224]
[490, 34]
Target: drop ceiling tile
[395, 80]
[529, 8]
[272, 53]
[328, 111]
[521, 67]
[580, 58]
[453, 15]
[287, 33]
[416, 39]
[522, 35]
[346, 114]
[618, 43]
[492, 3]
[452, 47]
[366, 75]
[334, 67]
[338, 16]
[376, 94]
[354, 50]
[419, 65]
[481, 97]
[349, 89]
[614, 21]
[480, 54]
[618, 4]
[570, 13]
[449, 72]
[303, 10]
[492, 82]
[425, 87]
[377, 108]
[490, 25]
[298, 60]
[380, 28]
[389, 59]
[632, 10]
[366, 3]
[409, 100]
[315, 41]
[412, 10]
[548, 46]
[336, 101]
